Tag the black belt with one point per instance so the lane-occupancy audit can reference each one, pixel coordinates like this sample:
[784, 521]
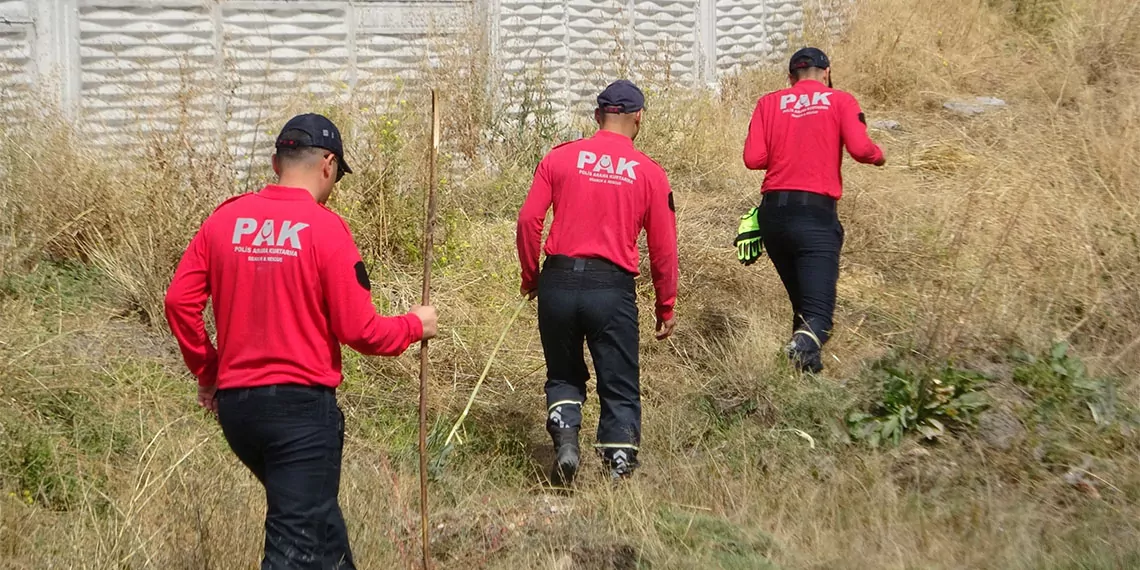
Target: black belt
[283, 387]
[582, 264]
[781, 198]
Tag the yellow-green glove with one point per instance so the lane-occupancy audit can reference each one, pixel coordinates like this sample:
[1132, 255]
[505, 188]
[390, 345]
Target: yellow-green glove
[749, 244]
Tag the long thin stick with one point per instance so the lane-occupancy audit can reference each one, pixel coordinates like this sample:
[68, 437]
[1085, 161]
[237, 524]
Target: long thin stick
[429, 232]
[483, 376]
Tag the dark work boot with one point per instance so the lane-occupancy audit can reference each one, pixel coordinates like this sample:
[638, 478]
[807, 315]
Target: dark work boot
[804, 352]
[566, 457]
[621, 461]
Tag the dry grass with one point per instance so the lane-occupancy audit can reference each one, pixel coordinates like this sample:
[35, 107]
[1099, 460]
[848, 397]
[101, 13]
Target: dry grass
[1008, 230]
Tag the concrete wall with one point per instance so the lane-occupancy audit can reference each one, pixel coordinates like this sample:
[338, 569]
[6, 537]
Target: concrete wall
[118, 63]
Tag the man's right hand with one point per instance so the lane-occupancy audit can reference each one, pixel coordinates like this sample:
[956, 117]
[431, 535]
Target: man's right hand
[665, 328]
[881, 161]
[429, 318]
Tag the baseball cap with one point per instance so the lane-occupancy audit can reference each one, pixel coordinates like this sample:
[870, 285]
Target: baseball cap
[808, 57]
[319, 132]
[621, 96]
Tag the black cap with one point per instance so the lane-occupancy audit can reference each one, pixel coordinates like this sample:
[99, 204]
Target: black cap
[319, 132]
[621, 96]
[808, 57]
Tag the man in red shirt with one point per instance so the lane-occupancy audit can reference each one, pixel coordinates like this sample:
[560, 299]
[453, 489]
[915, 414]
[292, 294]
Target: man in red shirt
[604, 191]
[797, 135]
[288, 287]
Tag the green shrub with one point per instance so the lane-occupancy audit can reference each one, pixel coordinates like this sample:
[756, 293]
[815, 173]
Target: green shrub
[1061, 386]
[930, 402]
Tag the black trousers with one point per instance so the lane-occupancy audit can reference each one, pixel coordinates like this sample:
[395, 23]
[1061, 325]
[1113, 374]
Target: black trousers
[291, 437]
[592, 302]
[802, 235]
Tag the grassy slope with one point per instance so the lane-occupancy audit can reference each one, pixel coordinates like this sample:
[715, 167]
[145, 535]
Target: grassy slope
[1007, 230]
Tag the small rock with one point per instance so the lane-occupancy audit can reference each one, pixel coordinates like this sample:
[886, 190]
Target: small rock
[886, 125]
[964, 109]
[975, 106]
[1000, 429]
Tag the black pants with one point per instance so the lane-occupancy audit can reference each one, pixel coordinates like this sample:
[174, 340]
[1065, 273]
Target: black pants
[291, 438]
[803, 236]
[591, 301]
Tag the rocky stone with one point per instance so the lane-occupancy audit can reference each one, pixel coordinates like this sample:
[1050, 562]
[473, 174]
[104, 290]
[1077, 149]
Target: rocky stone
[1000, 429]
[972, 107]
[886, 125]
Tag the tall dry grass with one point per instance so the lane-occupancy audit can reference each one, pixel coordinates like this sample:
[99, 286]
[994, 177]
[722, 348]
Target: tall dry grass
[1012, 229]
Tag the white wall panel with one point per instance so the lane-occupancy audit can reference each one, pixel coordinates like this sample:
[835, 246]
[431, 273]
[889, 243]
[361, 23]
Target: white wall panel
[17, 72]
[144, 66]
[395, 39]
[275, 52]
[754, 32]
[531, 49]
[741, 38]
[599, 41]
[783, 19]
[230, 66]
[666, 38]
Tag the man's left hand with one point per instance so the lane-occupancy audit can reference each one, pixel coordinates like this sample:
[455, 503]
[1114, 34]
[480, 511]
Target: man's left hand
[530, 294]
[207, 398]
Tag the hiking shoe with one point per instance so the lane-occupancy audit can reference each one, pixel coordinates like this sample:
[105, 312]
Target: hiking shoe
[803, 351]
[621, 462]
[566, 463]
[566, 456]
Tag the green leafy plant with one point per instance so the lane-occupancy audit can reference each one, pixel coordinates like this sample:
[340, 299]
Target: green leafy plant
[930, 402]
[1060, 383]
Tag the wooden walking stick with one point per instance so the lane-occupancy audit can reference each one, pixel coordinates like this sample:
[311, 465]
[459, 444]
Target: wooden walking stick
[429, 232]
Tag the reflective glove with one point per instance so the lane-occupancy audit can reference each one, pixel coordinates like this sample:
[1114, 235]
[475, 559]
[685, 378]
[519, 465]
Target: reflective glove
[749, 244]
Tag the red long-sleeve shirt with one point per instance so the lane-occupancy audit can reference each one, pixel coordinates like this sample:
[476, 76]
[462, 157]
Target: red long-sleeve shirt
[798, 134]
[288, 286]
[604, 191]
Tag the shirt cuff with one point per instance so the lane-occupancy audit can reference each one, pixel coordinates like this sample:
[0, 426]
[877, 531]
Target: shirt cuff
[530, 282]
[878, 154]
[664, 313]
[415, 328]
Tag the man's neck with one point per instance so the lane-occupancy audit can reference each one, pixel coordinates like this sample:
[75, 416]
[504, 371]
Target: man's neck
[298, 182]
[617, 130]
[819, 80]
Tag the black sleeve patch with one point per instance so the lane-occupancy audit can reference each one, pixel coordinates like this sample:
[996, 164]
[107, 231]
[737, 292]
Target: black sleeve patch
[362, 275]
[672, 206]
[862, 118]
